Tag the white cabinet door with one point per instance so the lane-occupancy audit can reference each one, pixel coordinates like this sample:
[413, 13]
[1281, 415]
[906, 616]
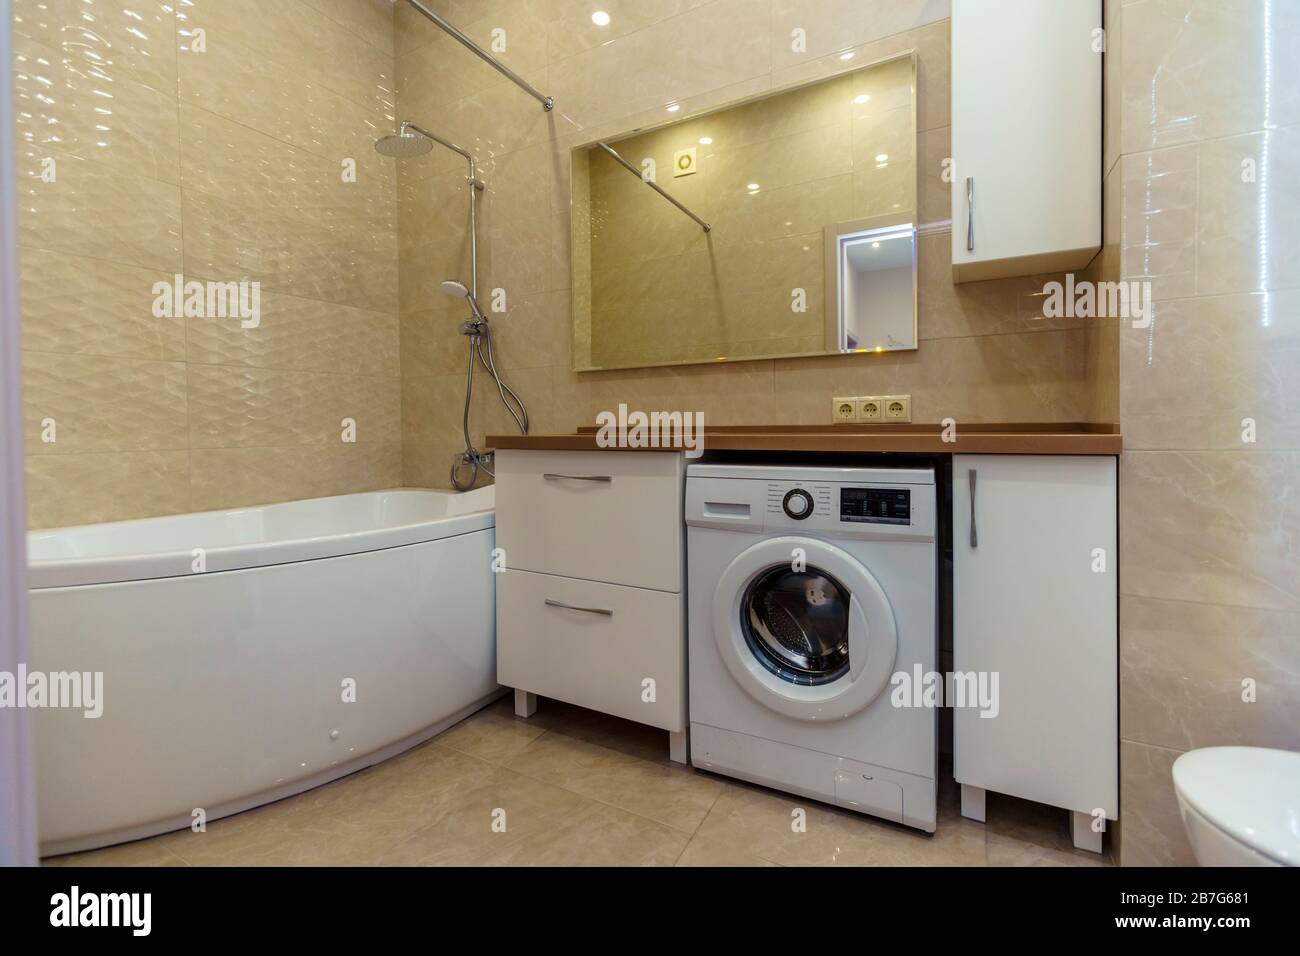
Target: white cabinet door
[1035, 597]
[1026, 136]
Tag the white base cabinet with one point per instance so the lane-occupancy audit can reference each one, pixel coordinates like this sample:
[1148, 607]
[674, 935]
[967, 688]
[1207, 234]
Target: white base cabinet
[1035, 608]
[590, 600]
[1026, 136]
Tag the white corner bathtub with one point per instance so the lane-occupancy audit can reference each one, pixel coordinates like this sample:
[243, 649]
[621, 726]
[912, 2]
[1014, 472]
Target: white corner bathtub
[227, 643]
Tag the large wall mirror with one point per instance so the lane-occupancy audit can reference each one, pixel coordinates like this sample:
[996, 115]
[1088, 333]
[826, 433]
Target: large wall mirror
[780, 226]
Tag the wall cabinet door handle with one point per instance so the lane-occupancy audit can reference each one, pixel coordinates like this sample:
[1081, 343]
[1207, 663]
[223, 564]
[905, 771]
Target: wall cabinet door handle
[553, 477]
[970, 213]
[573, 607]
[974, 538]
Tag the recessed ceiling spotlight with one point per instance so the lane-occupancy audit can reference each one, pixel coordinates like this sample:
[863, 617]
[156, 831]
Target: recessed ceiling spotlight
[600, 18]
[847, 55]
[861, 98]
[882, 157]
[875, 245]
[753, 187]
[674, 107]
[706, 140]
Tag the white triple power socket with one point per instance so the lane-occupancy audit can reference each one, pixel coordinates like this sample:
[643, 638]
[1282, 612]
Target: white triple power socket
[871, 408]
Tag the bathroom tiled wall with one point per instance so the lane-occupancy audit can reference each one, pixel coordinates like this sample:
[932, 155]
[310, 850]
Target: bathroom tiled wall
[219, 165]
[1203, 154]
[986, 353]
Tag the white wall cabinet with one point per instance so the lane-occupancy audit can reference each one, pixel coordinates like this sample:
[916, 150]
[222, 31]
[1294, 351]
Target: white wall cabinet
[590, 605]
[1035, 601]
[1026, 136]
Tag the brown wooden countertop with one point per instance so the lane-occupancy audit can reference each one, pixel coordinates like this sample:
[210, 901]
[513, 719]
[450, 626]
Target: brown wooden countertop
[1006, 438]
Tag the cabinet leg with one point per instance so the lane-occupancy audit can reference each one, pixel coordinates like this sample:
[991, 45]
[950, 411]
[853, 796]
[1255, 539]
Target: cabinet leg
[679, 746]
[972, 802]
[525, 703]
[1082, 833]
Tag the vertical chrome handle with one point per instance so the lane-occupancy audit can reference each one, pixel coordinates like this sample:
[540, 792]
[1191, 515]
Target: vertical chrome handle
[970, 216]
[974, 538]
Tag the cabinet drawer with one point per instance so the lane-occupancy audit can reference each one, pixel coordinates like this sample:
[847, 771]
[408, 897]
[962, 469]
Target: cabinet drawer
[588, 657]
[601, 515]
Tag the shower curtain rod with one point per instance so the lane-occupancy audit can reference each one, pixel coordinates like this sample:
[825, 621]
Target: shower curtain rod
[653, 185]
[548, 103]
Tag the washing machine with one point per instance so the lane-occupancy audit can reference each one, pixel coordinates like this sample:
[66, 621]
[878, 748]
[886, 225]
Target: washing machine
[812, 632]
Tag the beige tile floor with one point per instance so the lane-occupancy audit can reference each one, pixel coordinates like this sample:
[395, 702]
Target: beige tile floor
[580, 788]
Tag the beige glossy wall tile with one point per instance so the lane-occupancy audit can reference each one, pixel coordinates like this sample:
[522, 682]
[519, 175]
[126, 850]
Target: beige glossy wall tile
[1217, 527]
[1158, 220]
[1213, 372]
[106, 38]
[100, 404]
[1184, 668]
[115, 486]
[91, 209]
[64, 109]
[1195, 70]
[1153, 828]
[832, 26]
[94, 307]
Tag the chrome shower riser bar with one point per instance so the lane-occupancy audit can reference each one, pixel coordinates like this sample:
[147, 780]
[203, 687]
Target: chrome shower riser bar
[653, 185]
[548, 103]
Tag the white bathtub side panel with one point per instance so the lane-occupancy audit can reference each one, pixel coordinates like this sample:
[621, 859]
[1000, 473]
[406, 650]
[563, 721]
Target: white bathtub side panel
[224, 685]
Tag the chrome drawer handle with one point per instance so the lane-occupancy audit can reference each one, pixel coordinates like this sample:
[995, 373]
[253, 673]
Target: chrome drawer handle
[573, 607]
[974, 538]
[970, 213]
[552, 477]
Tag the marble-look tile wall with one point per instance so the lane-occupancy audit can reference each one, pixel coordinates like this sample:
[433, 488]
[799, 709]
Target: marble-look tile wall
[986, 353]
[1203, 156]
[141, 157]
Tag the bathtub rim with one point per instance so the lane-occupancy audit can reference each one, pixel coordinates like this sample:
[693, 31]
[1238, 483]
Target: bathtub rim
[148, 566]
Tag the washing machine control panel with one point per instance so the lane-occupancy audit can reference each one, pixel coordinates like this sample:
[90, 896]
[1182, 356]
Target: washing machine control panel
[797, 503]
[876, 505]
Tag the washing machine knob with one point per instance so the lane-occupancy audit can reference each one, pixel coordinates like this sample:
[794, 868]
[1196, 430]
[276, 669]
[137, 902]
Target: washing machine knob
[798, 504]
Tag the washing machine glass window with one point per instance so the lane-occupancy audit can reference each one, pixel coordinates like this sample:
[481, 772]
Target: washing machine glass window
[796, 623]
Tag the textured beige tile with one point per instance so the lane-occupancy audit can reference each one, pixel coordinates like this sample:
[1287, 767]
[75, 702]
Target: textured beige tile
[1159, 216]
[232, 407]
[236, 477]
[1153, 828]
[94, 307]
[100, 404]
[1211, 527]
[86, 489]
[141, 853]
[370, 19]
[300, 335]
[832, 26]
[598, 836]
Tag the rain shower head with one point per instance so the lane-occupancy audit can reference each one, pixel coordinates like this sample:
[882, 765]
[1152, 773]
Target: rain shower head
[404, 145]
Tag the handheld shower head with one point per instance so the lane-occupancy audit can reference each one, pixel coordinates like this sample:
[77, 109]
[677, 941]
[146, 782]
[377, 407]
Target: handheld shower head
[455, 289]
[404, 144]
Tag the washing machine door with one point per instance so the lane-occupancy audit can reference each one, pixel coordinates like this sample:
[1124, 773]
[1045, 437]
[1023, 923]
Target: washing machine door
[804, 628]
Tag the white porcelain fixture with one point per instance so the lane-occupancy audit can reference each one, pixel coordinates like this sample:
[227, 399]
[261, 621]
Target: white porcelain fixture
[810, 589]
[1026, 136]
[227, 641]
[590, 607]
[1240, 805]
[1035, 602]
